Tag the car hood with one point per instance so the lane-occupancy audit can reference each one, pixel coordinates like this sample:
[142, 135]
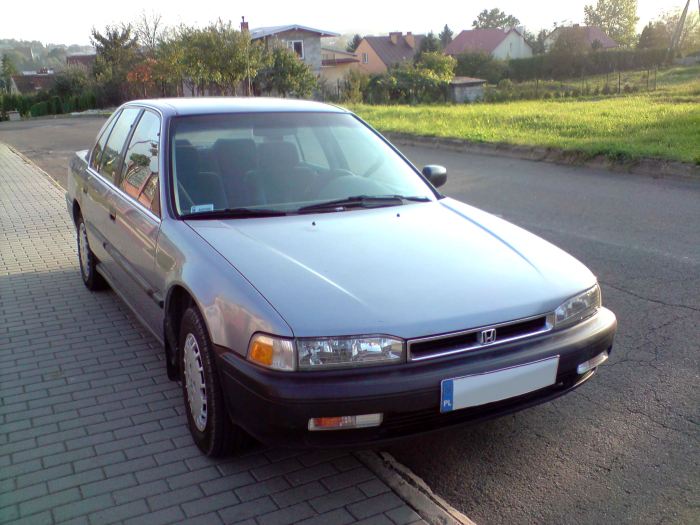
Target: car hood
[408, 271]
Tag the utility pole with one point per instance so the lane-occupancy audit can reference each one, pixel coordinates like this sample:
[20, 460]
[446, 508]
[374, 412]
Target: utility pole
[678, 33]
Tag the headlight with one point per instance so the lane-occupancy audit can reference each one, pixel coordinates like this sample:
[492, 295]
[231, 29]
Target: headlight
[271, 352]
[348, 352]
[578, 308]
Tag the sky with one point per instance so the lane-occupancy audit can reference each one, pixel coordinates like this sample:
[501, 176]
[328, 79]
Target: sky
[70, 21]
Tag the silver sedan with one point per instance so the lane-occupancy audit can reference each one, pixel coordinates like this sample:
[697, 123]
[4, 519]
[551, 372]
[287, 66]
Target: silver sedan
[311, 287]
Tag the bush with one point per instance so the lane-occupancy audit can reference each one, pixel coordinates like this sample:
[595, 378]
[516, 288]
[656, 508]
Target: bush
[627, 88]
[547, 95]
[560, 65]
[39, 109]
[481, 65]
[506, 84]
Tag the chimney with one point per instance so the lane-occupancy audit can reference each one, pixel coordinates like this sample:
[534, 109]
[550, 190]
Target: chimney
[394, 37]
[244, 25]
[410, 40]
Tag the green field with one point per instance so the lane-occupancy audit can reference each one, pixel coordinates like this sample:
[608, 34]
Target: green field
[662, 124]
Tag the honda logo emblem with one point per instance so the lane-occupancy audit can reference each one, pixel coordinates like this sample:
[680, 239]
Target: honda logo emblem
[487, 337]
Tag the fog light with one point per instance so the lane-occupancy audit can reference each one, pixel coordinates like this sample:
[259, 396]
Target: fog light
[592, 363]
[345, 422]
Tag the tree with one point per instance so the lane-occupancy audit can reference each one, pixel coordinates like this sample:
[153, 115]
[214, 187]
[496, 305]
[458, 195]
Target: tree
[618, 18]
[354, 43]
[215, 59]
[494, 19]
[441, 66]
[571, 41]
[149, 32]
[654, 36]
[445, 36]
[117, 53]
[71, 82]
[286, 74]
[536, 42]
[8, 69]
[430, 44]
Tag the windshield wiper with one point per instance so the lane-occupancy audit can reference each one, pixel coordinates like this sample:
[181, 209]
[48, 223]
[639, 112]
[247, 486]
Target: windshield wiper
[361, 201]
[233, 213]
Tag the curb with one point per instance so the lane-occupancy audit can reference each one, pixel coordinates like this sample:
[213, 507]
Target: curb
[412, 489]
[649, 167]
[34, 165]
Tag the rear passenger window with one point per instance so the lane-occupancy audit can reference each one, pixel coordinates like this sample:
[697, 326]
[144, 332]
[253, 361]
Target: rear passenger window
[110, 161]
[139, 176]
[97, 150]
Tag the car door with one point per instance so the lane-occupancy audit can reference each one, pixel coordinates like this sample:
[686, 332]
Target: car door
[136, 209]
[100, 186]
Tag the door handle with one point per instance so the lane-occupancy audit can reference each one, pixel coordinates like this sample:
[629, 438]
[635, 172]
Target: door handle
[112, 214]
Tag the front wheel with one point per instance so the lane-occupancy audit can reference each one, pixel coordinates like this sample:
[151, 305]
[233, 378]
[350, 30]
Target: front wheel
[88, 262]
[209, 424]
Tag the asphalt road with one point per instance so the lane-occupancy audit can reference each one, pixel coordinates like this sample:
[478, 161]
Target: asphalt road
[624, 447]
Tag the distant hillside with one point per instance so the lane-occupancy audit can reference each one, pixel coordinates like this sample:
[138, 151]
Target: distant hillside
[31, 55]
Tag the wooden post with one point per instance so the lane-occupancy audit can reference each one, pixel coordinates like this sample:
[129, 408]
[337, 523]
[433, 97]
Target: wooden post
[619, 82]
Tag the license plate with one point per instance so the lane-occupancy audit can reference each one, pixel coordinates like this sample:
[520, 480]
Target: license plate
[480, 389]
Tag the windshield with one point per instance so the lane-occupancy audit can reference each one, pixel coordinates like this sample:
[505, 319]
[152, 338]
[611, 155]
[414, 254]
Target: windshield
[284, 162]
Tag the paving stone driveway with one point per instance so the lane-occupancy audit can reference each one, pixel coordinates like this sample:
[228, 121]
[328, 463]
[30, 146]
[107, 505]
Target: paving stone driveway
[91, 430]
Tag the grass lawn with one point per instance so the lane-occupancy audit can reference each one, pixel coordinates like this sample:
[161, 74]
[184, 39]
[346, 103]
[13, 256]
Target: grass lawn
[662, 124]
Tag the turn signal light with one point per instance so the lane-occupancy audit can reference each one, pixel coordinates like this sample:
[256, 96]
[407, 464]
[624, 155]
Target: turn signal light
[592, 363]
[261, 352]
[345, 422]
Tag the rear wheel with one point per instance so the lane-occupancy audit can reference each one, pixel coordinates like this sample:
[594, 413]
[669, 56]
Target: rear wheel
[209, 424]
[88, 262]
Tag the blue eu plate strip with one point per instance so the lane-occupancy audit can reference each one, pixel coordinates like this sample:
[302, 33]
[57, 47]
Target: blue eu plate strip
[447, 403]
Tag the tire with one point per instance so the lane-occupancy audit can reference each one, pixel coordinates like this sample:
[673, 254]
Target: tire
[87, 260]
[207, 418]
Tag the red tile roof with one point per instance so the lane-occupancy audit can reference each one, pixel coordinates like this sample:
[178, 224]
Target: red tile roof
[29, 84]
[590, 34]
[476, 40]
[391, 53]
[86, 61]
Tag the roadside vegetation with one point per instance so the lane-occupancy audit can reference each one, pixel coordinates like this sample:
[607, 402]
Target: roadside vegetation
[663, 124]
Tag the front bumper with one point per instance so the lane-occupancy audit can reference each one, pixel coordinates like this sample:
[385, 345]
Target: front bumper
[275, 407]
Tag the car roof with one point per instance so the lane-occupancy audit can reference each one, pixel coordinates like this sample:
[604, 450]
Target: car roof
[213, 105]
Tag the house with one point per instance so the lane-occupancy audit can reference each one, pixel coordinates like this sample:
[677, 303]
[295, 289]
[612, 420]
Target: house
[466, 89]
[502, 44]
[336, 64]
[30, 82]
[81, 60]
[304, 41]
[379, 53]
[593, 36]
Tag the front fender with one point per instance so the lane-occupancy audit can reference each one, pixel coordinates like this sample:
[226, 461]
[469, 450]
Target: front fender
[232, 308]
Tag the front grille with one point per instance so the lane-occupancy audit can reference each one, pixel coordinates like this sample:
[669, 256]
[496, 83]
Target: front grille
[437, 346]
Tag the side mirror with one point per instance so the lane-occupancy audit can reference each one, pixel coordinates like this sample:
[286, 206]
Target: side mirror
[437, 175]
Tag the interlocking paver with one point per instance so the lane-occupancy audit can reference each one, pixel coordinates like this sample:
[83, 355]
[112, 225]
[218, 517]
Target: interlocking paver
[92, 431]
